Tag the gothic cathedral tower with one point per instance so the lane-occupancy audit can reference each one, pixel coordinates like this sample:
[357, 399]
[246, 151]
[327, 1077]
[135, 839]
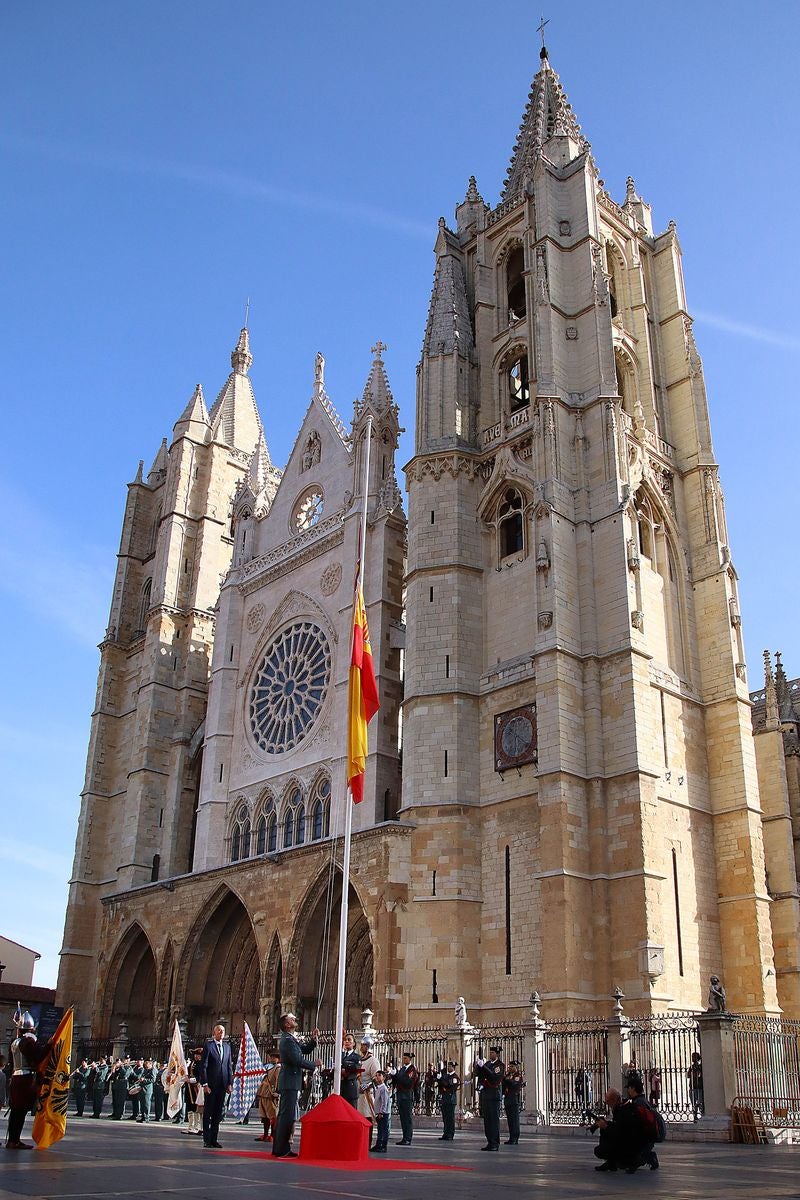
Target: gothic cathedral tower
[138, 807]
[577, 755]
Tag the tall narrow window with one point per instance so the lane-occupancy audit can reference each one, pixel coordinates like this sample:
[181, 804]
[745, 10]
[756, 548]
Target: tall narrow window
[272, 834]
[508, 909]
[509, 524]
[300, 827]
[515, 284]
[288, 828]
[434, 991]
[519, 391]
[155, 868]
[261, 835]
[677, 910]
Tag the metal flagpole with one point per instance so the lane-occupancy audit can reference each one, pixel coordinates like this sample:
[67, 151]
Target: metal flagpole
[348, 803]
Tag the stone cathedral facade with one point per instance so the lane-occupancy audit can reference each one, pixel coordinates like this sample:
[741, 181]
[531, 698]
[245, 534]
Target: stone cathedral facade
[562, 788]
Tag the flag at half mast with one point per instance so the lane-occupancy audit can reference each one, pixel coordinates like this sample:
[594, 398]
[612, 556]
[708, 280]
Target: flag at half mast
[363, 700]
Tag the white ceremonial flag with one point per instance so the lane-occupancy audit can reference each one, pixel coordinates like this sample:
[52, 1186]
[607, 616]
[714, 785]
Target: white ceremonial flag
[176, 1073]
[249, 1072]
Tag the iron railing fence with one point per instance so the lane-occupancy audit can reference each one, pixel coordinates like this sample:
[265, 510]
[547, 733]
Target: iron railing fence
[767, 1064]
[576, 1055]
[661, 1049]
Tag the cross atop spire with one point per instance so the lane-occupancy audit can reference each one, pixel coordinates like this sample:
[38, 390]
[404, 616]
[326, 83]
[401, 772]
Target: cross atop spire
[378, 349]
[548, 114]
[540, 29]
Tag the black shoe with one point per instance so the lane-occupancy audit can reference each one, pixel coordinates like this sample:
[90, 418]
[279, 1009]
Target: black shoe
[288, 1154]
[606, 1166]
[653, 1161]
[631, 1170]
[403, 1142]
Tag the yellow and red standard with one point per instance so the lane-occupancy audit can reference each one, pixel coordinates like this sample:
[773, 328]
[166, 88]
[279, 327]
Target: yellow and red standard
[363, 700]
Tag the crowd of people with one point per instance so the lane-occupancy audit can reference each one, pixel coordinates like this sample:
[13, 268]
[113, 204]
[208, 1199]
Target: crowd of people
[138, 1092]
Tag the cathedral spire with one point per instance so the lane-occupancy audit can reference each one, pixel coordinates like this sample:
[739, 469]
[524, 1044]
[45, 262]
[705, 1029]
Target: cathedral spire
[241, 358]
[449, 326]
[195, 410]
[548, 114]
[234, 417]
[377, 394]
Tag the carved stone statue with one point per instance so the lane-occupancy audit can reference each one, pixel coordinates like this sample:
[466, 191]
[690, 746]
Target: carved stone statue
[717, 1000]
[460, 1013]
[319, 370]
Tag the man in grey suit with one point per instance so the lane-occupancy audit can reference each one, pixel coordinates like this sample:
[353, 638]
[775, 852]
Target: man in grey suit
[215, 1073]
[293, 1063]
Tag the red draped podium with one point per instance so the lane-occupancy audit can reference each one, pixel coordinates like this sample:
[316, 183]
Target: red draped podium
[334, 1131]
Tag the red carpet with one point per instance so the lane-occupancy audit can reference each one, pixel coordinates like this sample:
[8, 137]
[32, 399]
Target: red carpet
[373, 1163]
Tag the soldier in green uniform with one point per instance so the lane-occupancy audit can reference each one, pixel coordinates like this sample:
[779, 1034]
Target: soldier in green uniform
[135, 1087]
[147, 1081]
[119, 1090]
[99, 1080]
[447, 1081]
[79, 1079]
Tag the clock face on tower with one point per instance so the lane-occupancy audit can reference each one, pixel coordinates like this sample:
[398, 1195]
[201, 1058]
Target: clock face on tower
[515, 738]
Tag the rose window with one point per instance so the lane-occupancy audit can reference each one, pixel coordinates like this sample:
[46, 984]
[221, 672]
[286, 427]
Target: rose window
[289, 690]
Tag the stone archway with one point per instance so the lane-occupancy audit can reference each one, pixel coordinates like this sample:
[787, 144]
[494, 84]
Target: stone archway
[131, 986]
[222, 979]
[313, 959]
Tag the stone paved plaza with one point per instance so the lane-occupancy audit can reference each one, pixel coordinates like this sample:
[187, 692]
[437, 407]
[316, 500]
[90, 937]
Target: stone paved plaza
[98, 1158]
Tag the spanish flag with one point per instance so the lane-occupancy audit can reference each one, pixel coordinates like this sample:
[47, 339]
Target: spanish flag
[363, 700]
[50, 1119]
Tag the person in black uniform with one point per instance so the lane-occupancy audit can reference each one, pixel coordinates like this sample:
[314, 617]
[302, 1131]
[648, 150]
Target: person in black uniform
[447, 1082]
[406, 1081]
[351, 1069]
[490, 1075]
[513, 1083]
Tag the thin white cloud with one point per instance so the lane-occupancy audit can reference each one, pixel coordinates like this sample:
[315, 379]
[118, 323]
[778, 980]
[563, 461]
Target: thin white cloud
[222, 180]
[47, 862]
[49, 573]
[754, 332]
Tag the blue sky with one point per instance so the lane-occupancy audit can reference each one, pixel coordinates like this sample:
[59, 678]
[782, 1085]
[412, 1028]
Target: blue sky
[163, 161]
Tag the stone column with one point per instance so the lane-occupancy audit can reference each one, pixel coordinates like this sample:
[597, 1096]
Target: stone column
[719, 1063]
[120, 1047]
[534, 1065]
[461, 1049]
[619, 1034]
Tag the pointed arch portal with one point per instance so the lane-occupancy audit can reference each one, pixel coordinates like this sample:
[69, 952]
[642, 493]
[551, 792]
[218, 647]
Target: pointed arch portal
[223, 978]
[312, 976]
[131, 987]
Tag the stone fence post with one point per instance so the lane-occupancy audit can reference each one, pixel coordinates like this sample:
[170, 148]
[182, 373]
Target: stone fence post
[719, 1063]
[619, 1037]
[534, 1065]
[120, 1047]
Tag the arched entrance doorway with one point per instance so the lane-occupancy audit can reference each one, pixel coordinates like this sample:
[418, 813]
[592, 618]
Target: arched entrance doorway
[222, 975]
[131, 986]
[313, 962]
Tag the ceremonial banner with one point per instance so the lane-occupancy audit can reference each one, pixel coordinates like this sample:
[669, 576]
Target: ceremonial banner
[50, 1110]
[363, 700]
[175, 1074]
[249, 1072]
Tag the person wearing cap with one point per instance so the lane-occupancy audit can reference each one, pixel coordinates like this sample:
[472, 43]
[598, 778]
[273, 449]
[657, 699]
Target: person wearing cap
[513, 1083]
[447, 1083]
[351, 1070]
[366, 1080]
[293, 1063]
[490, 1075]
[147, 1081]
[406, 1081]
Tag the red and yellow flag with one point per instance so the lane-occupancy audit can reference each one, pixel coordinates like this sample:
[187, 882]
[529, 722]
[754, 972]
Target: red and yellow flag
[50, 1120]
[363, 700]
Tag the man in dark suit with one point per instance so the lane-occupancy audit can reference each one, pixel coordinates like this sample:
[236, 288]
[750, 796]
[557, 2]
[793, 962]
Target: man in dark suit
[293, 1063]
[215, 1073]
